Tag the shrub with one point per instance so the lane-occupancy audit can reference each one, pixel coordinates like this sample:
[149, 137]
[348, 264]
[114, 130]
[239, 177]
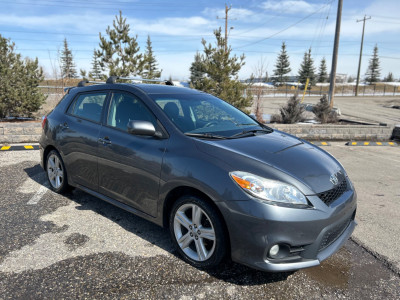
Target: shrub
[19, 81]
[293, 111]
[276, 118]
[323, 112]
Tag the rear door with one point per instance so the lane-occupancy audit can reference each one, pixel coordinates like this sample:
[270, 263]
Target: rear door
[80, 132]
[129, 165]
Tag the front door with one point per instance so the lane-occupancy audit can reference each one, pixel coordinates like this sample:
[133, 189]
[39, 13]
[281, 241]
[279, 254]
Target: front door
[129, 166]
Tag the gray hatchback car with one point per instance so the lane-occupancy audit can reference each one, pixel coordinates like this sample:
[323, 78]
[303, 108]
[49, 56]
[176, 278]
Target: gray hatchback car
[224, 184]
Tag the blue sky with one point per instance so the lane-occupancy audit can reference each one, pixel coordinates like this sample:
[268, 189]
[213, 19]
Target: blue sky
[177, 27]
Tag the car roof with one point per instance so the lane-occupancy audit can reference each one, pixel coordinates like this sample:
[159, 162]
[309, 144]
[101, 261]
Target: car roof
[146, 88]
[164, 89]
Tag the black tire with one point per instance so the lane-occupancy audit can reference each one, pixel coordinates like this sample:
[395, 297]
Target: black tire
[212, 251]
[56, 173]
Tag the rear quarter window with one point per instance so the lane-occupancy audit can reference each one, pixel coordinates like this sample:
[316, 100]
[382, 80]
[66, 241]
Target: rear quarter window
[88, 106]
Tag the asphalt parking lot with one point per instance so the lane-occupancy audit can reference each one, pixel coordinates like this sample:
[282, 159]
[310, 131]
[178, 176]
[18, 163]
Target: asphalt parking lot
[77, 246]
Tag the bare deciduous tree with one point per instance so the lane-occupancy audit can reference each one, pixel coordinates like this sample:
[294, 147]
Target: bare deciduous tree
[257, 79]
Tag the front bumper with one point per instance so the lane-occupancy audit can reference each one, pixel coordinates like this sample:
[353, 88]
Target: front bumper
[313, 234]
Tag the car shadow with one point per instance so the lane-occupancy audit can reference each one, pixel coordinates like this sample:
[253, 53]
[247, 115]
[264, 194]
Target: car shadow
[227, 271]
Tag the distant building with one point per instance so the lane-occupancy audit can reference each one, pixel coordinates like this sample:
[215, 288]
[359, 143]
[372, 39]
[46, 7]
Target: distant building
[341, 78]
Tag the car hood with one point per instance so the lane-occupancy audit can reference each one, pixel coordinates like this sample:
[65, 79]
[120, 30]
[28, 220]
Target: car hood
[298, 159]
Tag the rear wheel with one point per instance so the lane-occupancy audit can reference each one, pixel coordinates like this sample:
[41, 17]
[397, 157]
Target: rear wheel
[197, 232]
[56, 173]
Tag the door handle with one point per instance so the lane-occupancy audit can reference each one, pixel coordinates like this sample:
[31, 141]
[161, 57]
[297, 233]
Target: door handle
[105, 141]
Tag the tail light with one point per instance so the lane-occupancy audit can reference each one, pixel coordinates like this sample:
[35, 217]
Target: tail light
[44, 119]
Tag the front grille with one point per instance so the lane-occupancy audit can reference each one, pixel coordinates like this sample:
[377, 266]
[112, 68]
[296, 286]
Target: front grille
[328, 197]
[332, 234]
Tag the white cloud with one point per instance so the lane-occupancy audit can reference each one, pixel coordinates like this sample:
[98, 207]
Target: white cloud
[290, 6]
[85, 23]
[174, 26]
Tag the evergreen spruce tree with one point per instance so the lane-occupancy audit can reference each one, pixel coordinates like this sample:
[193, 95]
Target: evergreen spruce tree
[95, 72]
[119, 54]
[323, 111]
[19, 81]
[150, 67]
[282, 65]
[220, 71]
[196, 69]
[83, 73]
[322, 74]
[389, 77]
[307, 69]
[373, 72]
[68, 68]
[292, 112]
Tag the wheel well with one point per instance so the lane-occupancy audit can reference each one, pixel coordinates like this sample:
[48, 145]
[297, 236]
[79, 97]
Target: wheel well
[46, 152]
[185, 190]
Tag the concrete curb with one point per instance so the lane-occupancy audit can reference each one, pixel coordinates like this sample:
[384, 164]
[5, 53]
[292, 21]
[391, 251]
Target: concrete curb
[20, 132]
[323, 132]
[30, 132]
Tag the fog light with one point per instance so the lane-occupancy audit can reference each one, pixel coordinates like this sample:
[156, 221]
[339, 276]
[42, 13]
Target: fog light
[273, 252]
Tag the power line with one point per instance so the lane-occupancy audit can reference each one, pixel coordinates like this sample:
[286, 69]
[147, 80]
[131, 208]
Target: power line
[280, 31]
[386, 22]
[319, 38]
[385, 17]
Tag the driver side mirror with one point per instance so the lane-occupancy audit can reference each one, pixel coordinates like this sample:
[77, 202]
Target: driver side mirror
[142, 128]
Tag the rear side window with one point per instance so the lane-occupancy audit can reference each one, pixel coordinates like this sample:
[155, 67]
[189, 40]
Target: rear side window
[88, 106]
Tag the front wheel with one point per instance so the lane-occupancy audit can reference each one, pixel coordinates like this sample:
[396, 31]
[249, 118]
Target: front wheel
[197, 232]
[56, 173]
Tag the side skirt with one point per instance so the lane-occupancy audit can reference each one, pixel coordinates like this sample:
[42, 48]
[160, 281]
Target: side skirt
[120, 205]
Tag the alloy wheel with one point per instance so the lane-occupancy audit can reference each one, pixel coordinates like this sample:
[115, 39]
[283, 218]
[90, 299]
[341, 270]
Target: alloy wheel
[194, 232]
[55, 171]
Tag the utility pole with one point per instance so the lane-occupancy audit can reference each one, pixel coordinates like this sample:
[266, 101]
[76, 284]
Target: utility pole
[335, 54]
[361, 49]
[227, 9]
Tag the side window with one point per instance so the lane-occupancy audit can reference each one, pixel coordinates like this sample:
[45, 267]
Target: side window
[88, 106]
[126, 107]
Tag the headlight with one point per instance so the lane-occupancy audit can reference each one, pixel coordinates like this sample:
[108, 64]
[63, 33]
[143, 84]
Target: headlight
[269, 190]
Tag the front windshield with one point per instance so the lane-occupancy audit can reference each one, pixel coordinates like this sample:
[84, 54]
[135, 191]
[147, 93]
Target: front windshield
[204, 114]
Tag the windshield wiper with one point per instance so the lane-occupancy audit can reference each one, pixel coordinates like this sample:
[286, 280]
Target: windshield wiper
[250, 132]
[206, 135]
[246, 124]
